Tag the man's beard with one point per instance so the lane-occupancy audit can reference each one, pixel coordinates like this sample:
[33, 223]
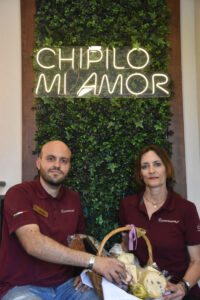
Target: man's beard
[54, 182]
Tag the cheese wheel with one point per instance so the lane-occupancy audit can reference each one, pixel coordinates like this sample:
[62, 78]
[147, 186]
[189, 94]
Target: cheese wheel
[155, 284]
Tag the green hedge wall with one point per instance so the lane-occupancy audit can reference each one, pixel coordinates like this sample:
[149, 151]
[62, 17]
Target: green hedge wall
[104, 135]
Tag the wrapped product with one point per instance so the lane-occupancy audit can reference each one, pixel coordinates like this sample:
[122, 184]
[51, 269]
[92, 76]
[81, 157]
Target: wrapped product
[126, 258]
[116, 250]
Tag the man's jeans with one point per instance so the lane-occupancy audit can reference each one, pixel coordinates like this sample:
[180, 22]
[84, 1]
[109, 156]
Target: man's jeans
[65, 291]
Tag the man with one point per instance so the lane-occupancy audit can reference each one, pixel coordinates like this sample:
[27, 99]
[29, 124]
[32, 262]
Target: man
[35, 260]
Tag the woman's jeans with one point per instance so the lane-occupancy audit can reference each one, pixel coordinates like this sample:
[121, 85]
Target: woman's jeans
[65, 291]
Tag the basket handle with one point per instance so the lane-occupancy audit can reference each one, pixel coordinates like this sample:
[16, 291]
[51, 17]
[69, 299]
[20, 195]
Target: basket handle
[141, 233]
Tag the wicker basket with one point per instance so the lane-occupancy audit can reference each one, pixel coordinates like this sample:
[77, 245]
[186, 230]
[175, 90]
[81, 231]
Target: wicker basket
[96, 278]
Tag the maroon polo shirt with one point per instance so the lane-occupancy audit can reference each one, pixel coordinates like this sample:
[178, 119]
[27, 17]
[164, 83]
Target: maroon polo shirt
[29, 203]
[173, 227]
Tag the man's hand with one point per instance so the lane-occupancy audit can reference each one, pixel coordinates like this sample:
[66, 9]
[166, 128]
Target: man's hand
[111, 268]
[78, 284]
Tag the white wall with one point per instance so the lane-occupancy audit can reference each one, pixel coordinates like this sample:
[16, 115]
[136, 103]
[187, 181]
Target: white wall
[190, 97]
[10, 93]
[197, 36]
[10, 98]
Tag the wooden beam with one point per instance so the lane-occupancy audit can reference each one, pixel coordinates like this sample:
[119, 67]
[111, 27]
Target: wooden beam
[177, 126]
[28, 114]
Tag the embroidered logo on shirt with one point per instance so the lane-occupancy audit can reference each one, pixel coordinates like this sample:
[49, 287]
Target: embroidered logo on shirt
[40, 211]
[167, 221]
[20, 212]
[63, 211]
[198, 227]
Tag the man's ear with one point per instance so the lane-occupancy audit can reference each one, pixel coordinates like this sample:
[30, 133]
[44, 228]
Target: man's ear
[38, 163]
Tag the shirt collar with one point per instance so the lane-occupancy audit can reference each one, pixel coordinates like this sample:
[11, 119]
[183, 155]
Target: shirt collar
[42, 193]
[168, 205]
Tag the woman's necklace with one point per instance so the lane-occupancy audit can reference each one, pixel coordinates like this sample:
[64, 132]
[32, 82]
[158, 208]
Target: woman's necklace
[154, 203]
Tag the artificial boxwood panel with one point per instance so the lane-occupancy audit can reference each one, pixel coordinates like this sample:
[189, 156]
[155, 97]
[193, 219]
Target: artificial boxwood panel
[104, 134]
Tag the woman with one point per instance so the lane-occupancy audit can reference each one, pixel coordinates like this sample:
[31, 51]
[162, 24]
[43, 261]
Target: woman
[171, 222]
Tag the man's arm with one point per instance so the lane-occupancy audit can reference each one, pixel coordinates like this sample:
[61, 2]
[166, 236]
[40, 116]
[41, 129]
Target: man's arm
[42, 247]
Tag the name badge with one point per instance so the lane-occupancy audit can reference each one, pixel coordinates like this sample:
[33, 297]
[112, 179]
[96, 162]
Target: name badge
[40, 211]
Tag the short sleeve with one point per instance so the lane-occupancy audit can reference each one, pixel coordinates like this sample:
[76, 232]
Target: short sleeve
[81, 224]
[18, 209]
[192, 226]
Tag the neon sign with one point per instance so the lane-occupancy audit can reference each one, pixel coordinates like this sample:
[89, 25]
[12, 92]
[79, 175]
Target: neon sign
[97, 72]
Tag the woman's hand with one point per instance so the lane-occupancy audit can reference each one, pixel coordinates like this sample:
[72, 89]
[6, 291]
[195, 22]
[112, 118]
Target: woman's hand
[177, 291]
[78, 284]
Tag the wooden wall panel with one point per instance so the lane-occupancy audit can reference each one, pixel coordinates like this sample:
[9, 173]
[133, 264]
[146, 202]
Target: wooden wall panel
[28, 116]
[177, 139]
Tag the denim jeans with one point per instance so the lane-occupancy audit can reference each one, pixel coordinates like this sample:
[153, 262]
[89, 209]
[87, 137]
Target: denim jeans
[65, 291]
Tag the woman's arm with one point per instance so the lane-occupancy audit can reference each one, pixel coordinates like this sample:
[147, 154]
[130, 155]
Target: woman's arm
[192, 275]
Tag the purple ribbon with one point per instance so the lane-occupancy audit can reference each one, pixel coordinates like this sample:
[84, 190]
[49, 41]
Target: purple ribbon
[132, 237]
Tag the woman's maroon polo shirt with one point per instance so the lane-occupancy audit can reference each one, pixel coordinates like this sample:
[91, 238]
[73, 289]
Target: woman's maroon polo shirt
[29, 203]
[173, 227]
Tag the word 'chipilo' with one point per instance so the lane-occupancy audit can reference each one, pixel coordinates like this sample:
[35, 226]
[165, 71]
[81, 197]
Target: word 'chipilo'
[97, 71]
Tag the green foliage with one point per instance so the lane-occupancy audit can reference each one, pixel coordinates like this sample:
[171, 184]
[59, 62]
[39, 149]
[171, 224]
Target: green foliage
[104, 135]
